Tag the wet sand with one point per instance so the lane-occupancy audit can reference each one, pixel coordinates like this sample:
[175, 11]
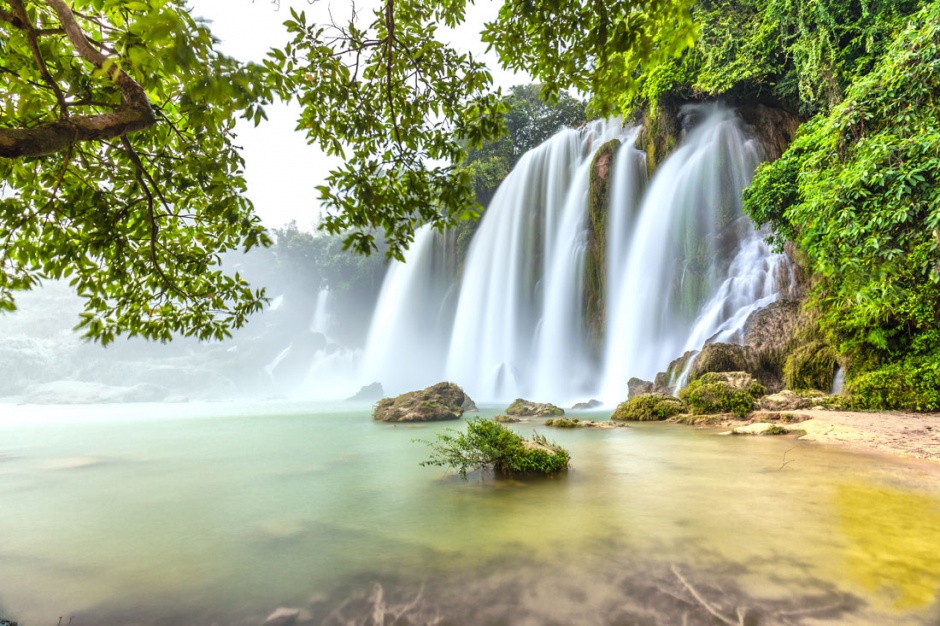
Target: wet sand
[915, 435]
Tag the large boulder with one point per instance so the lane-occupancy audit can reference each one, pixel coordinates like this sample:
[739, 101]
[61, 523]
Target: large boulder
[638, 387]
[768, 338]
[719, 357]
[526, 408]
[443, 401]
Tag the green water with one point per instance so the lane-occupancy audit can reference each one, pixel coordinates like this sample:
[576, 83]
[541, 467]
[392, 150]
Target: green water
[218, 513]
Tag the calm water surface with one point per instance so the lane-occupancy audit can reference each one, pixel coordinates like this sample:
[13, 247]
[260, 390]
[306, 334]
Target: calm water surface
[220, 513]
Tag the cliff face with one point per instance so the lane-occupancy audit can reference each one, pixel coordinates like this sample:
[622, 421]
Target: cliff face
[595, 266]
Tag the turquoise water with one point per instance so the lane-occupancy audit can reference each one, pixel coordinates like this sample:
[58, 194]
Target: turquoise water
[220, 513]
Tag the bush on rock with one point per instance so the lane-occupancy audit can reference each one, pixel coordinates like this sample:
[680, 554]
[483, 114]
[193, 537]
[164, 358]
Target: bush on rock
[487, 445]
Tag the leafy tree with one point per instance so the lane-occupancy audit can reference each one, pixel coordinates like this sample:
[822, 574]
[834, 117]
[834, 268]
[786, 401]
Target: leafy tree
[116, 148]
[529, 121]
[119, 167]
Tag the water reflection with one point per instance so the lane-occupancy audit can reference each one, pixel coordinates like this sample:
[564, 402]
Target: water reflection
[893, 543]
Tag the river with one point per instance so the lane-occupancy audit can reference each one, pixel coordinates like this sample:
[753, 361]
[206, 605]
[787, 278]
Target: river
[219, 513]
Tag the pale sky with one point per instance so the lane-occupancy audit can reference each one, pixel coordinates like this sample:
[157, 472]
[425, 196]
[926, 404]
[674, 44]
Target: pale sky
[281, 169]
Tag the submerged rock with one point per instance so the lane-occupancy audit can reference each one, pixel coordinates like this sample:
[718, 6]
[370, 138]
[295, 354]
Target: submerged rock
[283, 616]
[368, 392]
[443, 401]
[526, 408]
[574, 422]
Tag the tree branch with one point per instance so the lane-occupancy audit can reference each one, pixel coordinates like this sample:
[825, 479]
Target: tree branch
[135, 112]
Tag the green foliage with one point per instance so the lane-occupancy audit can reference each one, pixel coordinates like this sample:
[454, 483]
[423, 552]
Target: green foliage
[810, 366]
[712, 393]
[136, 225]
[592, 47]
[400, 107]
[488, 445]
[859, 194]
[648, 407]
[912, 384]
[529, 121]
[796, 54]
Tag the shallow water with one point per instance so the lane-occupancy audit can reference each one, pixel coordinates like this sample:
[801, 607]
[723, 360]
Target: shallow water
[220, 513]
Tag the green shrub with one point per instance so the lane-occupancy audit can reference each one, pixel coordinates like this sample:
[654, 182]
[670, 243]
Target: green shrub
[648, 407]
[489, 445]
[912, 384]
[712, 393]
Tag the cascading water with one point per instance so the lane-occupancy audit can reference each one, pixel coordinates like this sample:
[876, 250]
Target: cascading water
[518, 328]
[684, 266]
[695, 266]
[407, 344]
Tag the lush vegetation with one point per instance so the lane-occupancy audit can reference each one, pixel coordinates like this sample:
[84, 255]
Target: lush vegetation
[648, 407]
[858, 192]
[488, 445]
[713, 393]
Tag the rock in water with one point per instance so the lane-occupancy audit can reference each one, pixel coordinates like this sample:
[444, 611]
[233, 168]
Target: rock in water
[525, 408]
[443, 401]
[368, 392]
[584, 406]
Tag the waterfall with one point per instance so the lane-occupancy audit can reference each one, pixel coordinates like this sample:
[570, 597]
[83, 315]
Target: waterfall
[407, 343]
[695, 267]
[518, 327]
[684, 267]
[320, 323]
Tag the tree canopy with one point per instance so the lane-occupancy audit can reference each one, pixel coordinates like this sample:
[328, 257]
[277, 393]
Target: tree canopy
[119, 163]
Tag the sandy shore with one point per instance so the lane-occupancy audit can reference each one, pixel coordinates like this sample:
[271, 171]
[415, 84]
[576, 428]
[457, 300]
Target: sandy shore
[915, 435]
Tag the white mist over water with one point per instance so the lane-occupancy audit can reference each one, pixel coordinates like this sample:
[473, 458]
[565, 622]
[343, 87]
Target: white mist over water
[684, 267]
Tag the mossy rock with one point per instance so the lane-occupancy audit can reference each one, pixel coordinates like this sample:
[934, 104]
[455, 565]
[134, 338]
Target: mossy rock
[506, 419]
[725, 392]
[563, 422]
[443, 401]
[719, 357]
[810, 366]
[525, 408]
[647, 408]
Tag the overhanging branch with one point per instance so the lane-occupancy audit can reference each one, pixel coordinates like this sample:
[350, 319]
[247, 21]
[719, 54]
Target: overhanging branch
[135, 112]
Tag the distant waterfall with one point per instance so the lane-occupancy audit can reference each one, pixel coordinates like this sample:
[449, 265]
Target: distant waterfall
[695, 267]
[684, 266]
